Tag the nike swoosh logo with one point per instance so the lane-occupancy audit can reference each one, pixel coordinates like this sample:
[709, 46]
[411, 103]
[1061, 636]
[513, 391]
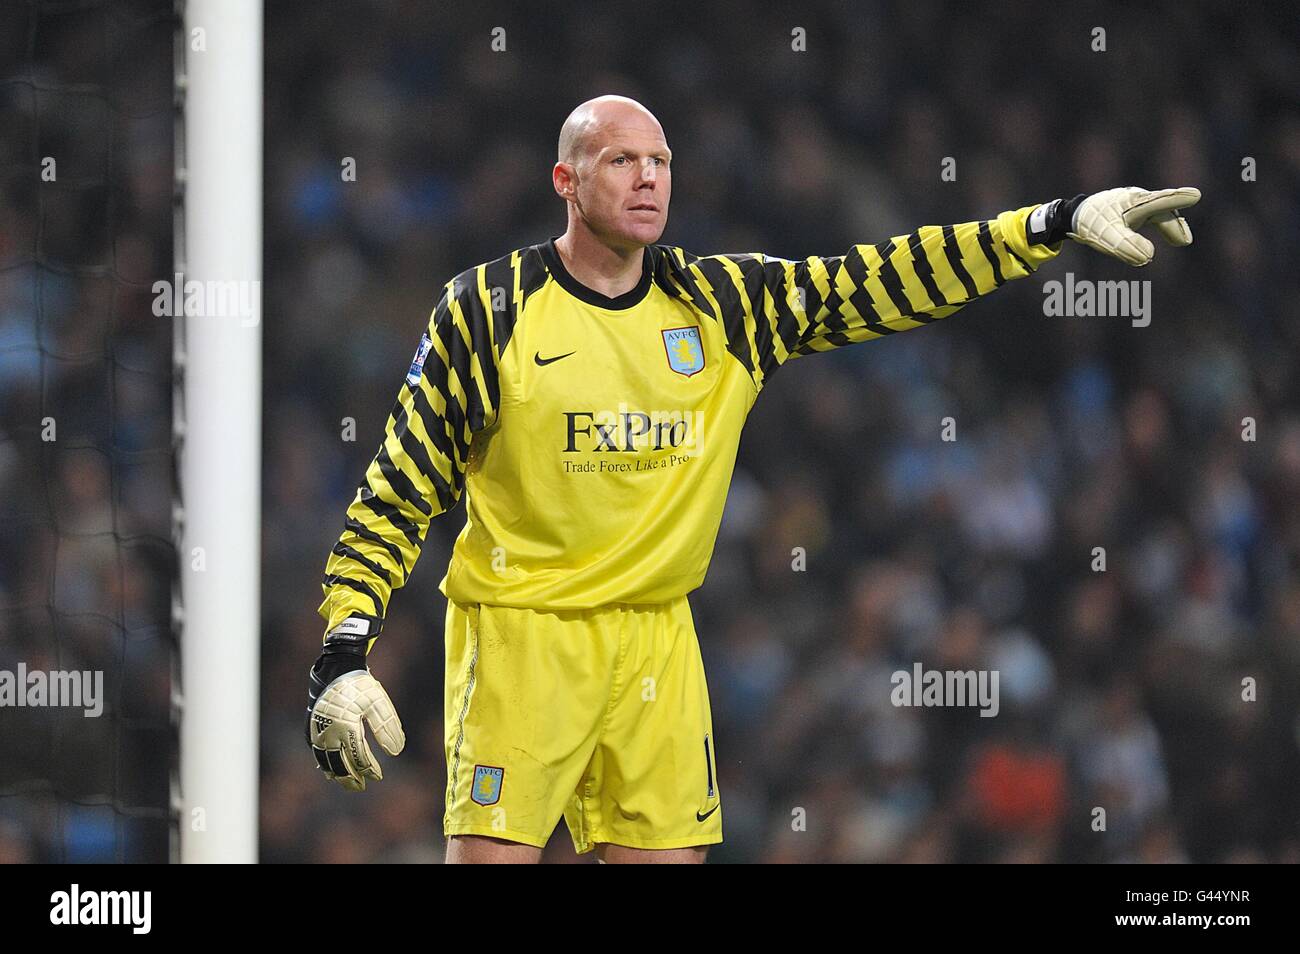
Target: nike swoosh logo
[542, 362]
[700, 818]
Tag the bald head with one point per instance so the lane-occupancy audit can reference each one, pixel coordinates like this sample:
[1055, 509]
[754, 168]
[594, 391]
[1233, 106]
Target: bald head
[614, 174]
[582, 133]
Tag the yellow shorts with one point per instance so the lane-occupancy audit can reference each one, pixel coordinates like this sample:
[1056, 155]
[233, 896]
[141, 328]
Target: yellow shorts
[597, 716]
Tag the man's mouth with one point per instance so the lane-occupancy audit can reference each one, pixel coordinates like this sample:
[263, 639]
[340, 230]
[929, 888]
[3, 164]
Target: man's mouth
[643, 207]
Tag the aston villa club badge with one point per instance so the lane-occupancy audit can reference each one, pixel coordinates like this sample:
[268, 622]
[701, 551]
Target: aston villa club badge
[487, 784]
[685, 350]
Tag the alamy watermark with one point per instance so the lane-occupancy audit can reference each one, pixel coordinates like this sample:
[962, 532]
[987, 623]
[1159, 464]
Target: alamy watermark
[208, 299]
[1086, 298]
[946, 688]
[77, 906]
[58, 688]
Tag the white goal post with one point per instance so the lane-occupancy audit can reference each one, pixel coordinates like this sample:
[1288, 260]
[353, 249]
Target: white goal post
[218, 418]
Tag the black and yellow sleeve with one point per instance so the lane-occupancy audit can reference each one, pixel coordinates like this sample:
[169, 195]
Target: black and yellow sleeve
[450, 393]
[776, 309]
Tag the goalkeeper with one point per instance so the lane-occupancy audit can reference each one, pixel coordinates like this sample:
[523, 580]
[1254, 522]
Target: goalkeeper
[587, 395]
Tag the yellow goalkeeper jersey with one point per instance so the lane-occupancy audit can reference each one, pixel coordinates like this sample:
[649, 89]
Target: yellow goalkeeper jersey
[594, 438]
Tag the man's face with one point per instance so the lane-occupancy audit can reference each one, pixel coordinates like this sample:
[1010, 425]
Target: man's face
[624, 183]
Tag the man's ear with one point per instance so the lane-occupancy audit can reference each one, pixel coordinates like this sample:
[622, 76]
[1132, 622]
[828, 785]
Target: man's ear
[564, 178]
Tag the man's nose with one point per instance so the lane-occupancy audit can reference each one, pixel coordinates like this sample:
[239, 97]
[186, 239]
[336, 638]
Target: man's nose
[648, 170]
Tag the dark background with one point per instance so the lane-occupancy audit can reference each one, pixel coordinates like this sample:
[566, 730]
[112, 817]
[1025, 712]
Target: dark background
[1120, 689]
[86, 561]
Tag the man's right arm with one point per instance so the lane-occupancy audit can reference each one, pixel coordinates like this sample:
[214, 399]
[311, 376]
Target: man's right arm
[451, 391]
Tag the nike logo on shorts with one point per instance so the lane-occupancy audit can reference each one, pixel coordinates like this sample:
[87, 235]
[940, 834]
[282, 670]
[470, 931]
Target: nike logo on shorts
[699, 817]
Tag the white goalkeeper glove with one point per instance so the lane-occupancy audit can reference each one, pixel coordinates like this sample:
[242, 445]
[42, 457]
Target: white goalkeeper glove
[342, 698]
[1108, 221]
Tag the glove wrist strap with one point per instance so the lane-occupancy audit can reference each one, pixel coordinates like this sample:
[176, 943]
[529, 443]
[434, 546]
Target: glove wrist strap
[353, 635]
[1050, 223]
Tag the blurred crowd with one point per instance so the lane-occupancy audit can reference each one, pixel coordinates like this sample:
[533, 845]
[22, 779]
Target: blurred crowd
[1121, 689]
[85, 424]
[1150, 710]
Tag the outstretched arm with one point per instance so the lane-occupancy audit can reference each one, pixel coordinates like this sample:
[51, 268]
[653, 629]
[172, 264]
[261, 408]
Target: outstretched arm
[775, 309]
